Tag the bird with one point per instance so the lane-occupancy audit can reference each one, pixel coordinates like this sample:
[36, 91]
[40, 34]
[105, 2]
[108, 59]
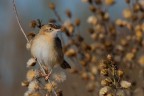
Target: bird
[46, 47]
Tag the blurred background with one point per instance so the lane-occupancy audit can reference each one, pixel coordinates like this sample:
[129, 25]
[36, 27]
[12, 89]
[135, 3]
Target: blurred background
[13, 53]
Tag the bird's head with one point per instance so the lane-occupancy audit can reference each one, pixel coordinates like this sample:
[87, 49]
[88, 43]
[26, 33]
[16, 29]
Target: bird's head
[50, 29]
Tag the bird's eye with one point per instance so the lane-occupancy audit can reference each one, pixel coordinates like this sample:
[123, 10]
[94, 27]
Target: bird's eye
[50, 29]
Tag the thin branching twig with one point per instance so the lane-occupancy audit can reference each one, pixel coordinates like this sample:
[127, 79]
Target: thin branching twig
[18, 21]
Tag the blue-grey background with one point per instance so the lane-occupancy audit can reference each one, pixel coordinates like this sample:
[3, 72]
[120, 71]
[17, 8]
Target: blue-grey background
[13, 54]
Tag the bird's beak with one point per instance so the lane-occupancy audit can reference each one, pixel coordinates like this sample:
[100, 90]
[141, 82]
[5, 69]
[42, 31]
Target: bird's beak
[58, 30]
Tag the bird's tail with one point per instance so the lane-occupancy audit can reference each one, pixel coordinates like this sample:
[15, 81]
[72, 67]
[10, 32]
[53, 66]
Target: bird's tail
[65, 65]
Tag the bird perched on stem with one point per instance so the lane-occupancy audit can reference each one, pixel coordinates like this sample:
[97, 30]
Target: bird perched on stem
[46, 47]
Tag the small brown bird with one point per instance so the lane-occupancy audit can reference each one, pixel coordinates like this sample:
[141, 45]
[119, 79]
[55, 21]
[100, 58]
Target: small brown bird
[46, 47]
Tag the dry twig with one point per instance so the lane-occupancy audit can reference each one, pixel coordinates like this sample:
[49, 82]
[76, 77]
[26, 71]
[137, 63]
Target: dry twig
[18, 21]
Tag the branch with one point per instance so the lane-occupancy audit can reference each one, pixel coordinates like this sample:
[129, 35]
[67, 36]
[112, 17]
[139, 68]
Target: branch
[18, 21]
[45, 74]
[57, 15]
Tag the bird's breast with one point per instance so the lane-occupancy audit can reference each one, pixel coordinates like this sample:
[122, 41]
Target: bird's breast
[43, 49]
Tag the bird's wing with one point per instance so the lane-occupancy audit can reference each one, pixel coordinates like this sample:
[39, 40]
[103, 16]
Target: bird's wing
[58, 48]
[64, 65]
[58, 43]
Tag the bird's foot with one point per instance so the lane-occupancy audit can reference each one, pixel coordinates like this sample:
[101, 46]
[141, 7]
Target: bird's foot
[47, 76]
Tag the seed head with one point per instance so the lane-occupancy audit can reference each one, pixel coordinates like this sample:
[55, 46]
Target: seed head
[125, 84]
[59, 77]
[31, 74]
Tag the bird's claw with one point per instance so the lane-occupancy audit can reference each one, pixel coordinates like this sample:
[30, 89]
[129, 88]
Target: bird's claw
[48, 75]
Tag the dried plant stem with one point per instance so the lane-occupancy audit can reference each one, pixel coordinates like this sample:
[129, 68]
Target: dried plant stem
[45, 74]
[53, 88]
[18, 21]
[57, 15]
[41, 68]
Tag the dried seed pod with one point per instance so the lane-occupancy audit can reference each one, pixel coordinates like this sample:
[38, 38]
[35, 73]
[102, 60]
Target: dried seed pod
[83, 63]
[119, 22]
[120, 73]
[92, 77]
[93, 48]
[86, 1]
[134, 17]
[84, 75]
[129, 56]
[127, 13]
[99, 28]
[31, 74]
[142, 27]
[73, 71]
[31, 62]
[50, 86]
[129, 26]
[59, 77]
[70, 53]
[109, 94]
[109, 80]
[79, 38]
[94, 36]
[124, 42]
[92, 8]
[34, 94]
[85, 46]
[28, 45]
[33, 86]
[25, 83]
[104, 72]
[106, 82]
[91, 30]
[68, 13]
[94, 69]
[109, 2]
[68, 27]
[141, 2]
[102, 66]
[98, 2]
[109, 57]
[136, 7]
[91, 86]
[106, 16]
[31, 35]
[90, 1]
[127, 1]
[33, 24]
[59, 93]
[101, 36]
[92, 20]
[125, 84]
[64, 29]
[77, 22]
[87, 57]
[141, 61]
[137, 27]
[103, 91]
[120, 93]
[52, 6]
[139, 35]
